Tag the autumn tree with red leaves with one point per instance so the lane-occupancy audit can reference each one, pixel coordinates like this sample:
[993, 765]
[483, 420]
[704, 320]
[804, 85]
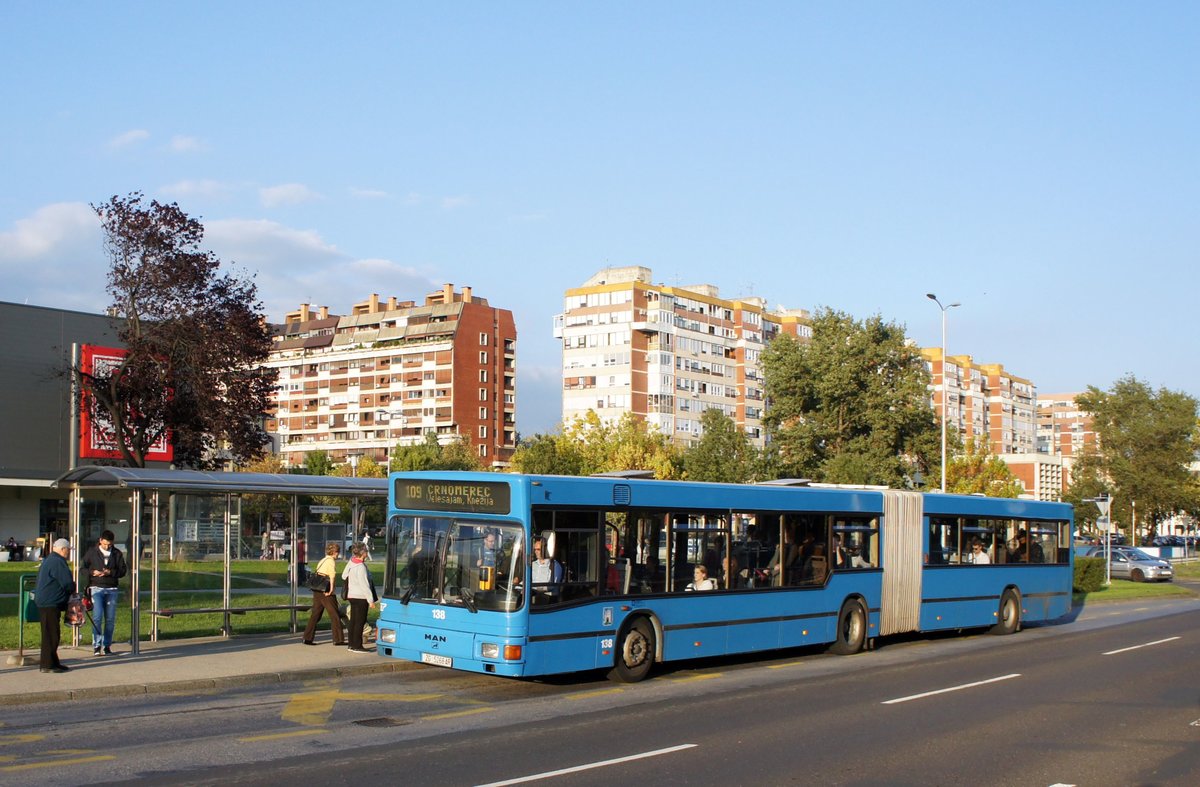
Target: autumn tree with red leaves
[196, 341]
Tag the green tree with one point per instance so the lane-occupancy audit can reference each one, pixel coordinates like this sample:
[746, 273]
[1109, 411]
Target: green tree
[723, 452]
[1146, 440]
[590, 445]
[978, 471]
[432, 455]
[318, 463]
[547, 454]
[195, 342]
[851, 405]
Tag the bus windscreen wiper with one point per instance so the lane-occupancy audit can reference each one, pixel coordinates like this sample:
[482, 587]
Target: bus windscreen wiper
[468, 600]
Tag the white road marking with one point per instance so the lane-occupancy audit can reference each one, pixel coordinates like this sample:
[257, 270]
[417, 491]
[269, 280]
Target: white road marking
[952, 688]
[1135, 647]
[578, 768]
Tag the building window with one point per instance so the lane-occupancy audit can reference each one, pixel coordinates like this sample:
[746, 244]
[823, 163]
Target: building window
[483, 375]
[482, 449]
[483, 394]
[483, 340]
[483, 356]
[483, 431]
[483, 413]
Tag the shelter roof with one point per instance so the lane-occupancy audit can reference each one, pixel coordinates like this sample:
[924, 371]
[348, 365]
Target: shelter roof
[98, 477]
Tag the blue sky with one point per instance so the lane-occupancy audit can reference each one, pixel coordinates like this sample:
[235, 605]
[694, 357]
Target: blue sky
[1037, 162]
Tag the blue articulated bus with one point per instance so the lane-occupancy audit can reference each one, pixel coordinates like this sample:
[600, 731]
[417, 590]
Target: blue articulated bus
[523, 575]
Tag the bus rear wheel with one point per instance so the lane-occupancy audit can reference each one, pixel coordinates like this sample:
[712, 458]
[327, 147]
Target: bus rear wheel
[635, 653]
[851, 633]
[1009, 614]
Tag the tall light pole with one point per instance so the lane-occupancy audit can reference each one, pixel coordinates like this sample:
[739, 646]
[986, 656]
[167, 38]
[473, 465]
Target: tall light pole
[944, 309]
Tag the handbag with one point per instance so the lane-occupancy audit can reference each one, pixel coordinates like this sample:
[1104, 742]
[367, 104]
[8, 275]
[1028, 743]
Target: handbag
[318, 582]
[75, 610]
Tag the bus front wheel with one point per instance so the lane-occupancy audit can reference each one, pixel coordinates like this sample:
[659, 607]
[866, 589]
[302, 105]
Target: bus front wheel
[1009, 614]
[851, 629]
[635, 653]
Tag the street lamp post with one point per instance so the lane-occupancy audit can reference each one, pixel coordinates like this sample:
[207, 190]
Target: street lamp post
[944, 309]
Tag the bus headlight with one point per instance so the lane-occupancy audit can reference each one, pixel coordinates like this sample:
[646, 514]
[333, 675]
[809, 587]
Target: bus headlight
[387, 635]
[490, 650]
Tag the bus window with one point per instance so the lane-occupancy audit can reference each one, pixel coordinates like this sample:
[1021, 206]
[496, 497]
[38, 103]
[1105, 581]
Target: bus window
[855, 543]
[943, 539]
[698, 540]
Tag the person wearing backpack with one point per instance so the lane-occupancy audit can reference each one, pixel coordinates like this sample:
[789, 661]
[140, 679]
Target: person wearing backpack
[55, 584]
[103, 565]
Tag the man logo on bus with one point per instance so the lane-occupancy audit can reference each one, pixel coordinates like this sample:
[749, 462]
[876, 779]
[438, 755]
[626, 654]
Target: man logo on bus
[435, 637]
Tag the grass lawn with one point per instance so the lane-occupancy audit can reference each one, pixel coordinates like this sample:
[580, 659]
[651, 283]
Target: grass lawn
[188, 585]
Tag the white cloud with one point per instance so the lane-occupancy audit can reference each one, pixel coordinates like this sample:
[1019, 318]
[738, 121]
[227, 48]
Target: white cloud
[413, 198]
[286, 194]
[131, 137]
[369, 193]
[298, 266]
[185, 144]
[214, 189]
[454, 203]
[55, 258]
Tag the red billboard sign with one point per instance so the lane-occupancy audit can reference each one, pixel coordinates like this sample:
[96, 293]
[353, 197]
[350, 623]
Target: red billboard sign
[97, 437]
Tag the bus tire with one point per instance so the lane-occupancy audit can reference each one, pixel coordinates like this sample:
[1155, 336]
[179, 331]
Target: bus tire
[1009, 615]
[635, 653]
[851, 634]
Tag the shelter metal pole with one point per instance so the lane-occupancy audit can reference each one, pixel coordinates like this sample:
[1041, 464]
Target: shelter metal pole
[155, 526]
[226, 629]
[74, 530]
[292, 571]
[135, 554]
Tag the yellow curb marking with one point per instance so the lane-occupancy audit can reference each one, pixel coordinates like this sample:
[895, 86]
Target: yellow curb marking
[691, 678]
[313, 709]
[55, 763]
[277, 735]
[26, 738]
[457, 713]
[589, 694]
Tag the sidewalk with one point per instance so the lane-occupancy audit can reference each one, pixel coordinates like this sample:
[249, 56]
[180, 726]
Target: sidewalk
[183, 665]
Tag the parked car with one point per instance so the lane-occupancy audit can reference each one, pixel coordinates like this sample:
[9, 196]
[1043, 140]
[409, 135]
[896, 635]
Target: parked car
[1134, 564]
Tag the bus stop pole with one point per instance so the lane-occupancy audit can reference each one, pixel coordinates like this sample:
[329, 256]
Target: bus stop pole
[292, 589]
[76, 530]
[155, 540]
[226, 629]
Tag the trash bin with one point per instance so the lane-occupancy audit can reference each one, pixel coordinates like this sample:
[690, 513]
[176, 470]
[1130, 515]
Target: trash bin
[28, 605]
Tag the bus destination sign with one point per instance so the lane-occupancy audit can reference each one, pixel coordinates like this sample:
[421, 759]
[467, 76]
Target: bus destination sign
[482, 497]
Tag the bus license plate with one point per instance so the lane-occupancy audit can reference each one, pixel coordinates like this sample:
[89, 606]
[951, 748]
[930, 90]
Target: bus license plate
[436, 660]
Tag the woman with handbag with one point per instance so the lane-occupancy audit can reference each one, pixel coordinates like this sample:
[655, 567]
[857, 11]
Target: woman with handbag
[321, 582]
[360, 592]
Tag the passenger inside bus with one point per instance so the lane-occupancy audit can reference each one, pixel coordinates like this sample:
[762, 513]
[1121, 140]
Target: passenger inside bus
[546, 574]
[701, 580]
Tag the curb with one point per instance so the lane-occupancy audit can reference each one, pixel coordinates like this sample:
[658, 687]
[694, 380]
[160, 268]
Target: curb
[200, 684]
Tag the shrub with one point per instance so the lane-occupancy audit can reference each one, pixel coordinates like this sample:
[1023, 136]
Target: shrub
[1089, 574]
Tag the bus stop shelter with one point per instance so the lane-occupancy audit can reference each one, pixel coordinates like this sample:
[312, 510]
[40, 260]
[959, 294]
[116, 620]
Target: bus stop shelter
[171, 510]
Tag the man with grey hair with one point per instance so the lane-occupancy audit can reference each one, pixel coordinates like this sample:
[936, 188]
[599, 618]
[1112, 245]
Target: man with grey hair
[55, 584]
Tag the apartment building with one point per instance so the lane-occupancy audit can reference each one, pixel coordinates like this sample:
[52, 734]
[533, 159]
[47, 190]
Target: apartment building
[1062, 428]
[391, 372]
[666, 354]
[984, 402]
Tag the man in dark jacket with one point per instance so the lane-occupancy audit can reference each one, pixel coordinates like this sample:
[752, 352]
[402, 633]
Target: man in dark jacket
[55, 584]
[103, 565]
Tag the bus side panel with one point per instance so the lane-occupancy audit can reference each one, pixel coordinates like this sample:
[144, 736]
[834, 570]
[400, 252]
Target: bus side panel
[573, 638]
[955, 597]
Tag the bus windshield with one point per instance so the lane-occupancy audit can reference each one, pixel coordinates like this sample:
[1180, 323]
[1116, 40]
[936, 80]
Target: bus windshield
[469, 563]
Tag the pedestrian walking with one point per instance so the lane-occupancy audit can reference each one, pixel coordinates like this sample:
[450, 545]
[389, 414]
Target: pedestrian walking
[366, 542]
[103, 565]
[324, 600]
[55, 584]
[360, 592]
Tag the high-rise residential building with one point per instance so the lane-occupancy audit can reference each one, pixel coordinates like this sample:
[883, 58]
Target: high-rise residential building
[666, 354]
[1062, 428]
[984, 402]
[391, 372]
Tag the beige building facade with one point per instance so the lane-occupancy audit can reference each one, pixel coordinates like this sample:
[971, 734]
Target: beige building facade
[666, 354]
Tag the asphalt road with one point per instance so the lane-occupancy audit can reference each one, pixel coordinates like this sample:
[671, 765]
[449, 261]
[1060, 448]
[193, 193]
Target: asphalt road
[1107, 702]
